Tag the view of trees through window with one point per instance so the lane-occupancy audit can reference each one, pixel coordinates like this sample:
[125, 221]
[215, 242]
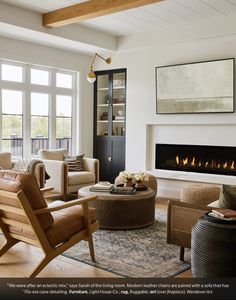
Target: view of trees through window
[36, 114]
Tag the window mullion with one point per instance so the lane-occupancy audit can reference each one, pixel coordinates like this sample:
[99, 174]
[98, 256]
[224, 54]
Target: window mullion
[26, 115]
[52, 113]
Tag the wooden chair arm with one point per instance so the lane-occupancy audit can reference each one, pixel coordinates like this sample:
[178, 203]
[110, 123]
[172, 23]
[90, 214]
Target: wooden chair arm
[46, 189]
[81, 201]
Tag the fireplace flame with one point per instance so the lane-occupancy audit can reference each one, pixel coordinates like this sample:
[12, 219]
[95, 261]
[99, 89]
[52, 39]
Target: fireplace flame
[232, 165]
[195, 162]
[177, 159]
[185, 161]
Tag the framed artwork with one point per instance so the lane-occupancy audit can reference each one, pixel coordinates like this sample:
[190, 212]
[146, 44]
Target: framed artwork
[200, 87]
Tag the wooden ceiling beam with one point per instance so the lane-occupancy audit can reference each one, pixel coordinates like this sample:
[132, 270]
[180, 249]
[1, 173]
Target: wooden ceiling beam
[90, 9]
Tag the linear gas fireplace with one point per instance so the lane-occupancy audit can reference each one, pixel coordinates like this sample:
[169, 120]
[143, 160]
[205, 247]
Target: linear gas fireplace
[194, 158]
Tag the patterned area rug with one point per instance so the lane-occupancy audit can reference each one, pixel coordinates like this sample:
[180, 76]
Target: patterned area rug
[134, 253]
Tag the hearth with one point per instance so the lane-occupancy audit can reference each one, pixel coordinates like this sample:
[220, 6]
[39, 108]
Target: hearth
[196, 158]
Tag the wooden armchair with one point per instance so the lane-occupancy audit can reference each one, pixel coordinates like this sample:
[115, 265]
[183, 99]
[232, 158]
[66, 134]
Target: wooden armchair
[25, 216]
[196, 200]
[181, 217]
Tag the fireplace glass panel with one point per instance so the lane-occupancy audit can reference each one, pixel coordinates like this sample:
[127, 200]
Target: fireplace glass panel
[196, 158]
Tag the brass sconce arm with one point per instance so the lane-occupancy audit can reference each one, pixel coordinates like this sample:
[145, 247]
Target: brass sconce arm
[91, 75]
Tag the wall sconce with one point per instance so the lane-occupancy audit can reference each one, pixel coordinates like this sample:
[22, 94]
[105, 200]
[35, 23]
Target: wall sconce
[91, 75]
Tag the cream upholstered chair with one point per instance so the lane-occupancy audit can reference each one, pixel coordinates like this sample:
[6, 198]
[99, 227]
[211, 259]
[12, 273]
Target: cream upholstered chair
[66, 183]
[37, 168]
[25, 217]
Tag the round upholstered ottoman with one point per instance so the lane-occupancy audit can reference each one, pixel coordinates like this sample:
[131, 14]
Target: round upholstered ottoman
[200, 194]
[118, 211]
[213, 249]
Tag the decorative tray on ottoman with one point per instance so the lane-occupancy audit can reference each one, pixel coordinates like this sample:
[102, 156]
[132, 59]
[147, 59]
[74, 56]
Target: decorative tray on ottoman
[123, 190]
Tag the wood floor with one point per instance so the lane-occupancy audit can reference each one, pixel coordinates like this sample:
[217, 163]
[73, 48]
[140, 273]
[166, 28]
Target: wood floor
[22, 258]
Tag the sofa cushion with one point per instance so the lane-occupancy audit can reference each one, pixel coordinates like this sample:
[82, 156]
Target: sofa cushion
[5, 160]
[20, 166]
[75, 162]
[228, 196]
[67, 222]
[55, 154]
[75, 178]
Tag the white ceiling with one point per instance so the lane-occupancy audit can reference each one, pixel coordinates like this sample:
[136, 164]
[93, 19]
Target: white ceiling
[159, 16]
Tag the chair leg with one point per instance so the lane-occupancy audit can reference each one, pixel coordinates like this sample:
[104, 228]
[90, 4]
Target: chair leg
[181, 254]
[7, 246]
[91, 248]
[41, 265]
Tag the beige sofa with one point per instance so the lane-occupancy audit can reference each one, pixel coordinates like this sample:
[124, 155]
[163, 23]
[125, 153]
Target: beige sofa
[35, 167]
[66, 184]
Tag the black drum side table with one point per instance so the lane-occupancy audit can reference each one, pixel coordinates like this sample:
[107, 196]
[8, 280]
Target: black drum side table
[213, 247]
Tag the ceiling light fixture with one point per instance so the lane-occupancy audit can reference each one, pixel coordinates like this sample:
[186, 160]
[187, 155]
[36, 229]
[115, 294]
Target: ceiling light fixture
[91, 75]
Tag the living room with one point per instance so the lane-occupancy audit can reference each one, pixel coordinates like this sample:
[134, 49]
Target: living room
[178, 32]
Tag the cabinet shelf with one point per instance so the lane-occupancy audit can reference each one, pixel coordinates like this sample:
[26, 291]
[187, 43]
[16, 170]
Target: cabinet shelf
[103, 89]
[118, 87]
[118, 104]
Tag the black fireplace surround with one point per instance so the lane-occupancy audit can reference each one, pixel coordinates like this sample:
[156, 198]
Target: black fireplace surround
[196, 158]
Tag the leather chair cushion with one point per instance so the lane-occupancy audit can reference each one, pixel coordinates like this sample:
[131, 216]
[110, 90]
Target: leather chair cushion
[76, 178]
[67, 222]
[5, 160]
[16, 181]
[23, 232]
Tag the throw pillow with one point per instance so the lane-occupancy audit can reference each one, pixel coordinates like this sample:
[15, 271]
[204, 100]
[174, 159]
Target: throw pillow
[21, 166]
[75, 163]
[228, 196]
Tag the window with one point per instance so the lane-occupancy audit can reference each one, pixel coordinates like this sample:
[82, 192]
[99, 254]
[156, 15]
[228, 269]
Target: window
[63, 121]
[12, 73]
[39, 77]
[64, 80]
[12, 122]
[36, 109]
[39, 122]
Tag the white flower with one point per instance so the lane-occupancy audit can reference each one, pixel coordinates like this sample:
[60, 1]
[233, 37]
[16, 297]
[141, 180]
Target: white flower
[140, 177]
[127, 175]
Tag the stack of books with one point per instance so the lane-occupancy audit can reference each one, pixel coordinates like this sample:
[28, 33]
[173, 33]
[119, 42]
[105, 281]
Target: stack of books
[224, 213]
[102, 186]
[123, 190]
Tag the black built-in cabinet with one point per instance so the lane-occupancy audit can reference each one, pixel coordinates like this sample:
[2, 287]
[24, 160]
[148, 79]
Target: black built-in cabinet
[109, 122]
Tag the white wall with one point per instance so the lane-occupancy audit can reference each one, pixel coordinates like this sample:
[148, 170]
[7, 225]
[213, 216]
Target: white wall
[48, 56]
[141, 106]
[211, 129]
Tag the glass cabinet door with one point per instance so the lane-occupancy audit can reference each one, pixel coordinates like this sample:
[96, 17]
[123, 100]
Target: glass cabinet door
[102, 104]
[118, 104]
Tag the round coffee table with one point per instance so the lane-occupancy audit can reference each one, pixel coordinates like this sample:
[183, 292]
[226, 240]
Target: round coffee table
[117, 211]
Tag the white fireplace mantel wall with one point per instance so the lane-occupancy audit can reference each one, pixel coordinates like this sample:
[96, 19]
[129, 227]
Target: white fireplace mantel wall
[144, 127]
[171, 182]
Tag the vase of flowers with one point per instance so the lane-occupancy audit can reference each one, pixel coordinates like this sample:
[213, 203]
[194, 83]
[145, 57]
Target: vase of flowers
[139, 179]
[128, 179]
